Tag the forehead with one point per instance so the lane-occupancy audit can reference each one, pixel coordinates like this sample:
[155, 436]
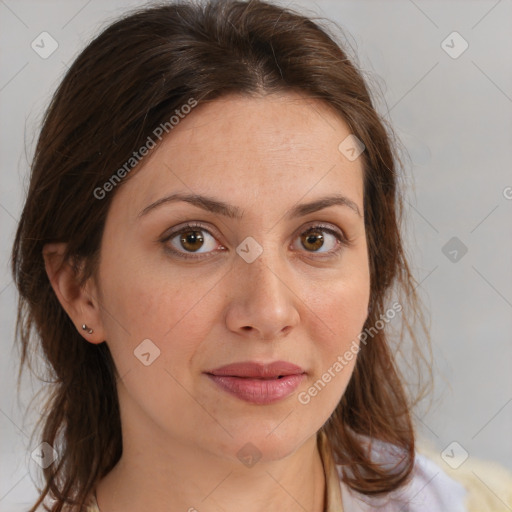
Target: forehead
[250, 149]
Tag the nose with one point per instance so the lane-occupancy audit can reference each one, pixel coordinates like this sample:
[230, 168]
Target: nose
[263, 302]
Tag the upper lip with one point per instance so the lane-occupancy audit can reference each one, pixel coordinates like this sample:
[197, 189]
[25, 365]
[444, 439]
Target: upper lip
[255, 370]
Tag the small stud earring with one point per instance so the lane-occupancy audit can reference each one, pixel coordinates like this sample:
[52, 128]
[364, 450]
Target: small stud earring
[85, 328]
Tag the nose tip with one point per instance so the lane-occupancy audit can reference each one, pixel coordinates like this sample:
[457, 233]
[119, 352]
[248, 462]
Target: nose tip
[268, 336]
[262, 302]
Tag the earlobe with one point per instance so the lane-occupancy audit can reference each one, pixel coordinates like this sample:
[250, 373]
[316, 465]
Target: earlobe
[82, 309]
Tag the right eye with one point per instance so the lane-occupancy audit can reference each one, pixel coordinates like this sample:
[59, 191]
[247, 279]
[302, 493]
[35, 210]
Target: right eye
[190, 240]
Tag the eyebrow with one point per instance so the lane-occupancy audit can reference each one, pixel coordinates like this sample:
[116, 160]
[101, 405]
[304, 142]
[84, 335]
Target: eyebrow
[215, 206]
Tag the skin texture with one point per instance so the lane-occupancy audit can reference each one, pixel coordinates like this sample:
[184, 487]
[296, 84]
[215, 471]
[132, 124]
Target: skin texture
[181, 432]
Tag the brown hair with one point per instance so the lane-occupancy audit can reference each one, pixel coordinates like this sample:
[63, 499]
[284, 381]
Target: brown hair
[127, 82]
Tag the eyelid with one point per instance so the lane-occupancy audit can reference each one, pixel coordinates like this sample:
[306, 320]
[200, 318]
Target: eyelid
[327, 226]
[191, 225]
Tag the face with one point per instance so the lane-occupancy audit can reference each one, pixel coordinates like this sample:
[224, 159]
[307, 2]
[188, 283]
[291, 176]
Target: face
[234, 274]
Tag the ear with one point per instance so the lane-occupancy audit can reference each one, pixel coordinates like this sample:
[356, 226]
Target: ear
[80, 303]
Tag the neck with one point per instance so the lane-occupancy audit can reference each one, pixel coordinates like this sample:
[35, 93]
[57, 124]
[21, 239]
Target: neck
[162, 474]
[192, 481]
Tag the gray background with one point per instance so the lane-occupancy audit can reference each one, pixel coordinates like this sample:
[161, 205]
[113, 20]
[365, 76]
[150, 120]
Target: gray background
[453, 115]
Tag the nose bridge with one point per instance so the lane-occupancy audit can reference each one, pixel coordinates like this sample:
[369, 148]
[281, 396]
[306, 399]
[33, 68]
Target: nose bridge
[262, 299]
[264, 276]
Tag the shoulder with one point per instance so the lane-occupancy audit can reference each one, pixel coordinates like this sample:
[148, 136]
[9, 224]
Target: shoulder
[436, 486]
[429, 489]
[488, 485]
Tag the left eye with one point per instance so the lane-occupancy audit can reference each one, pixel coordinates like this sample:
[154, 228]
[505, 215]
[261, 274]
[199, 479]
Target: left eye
[319, 239]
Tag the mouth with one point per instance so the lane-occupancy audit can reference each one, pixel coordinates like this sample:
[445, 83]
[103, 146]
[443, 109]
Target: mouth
[258, 383]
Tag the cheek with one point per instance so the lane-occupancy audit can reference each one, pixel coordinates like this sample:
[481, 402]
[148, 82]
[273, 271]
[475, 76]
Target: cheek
[343, 318]
[340, 306]
[340, 309]
[172, 311]
[175, 318]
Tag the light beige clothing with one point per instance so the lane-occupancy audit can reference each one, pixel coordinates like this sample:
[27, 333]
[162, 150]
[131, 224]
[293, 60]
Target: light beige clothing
[489, 485]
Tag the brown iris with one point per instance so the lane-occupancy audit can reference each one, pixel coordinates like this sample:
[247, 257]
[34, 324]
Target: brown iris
[312, 240]
[191, 240]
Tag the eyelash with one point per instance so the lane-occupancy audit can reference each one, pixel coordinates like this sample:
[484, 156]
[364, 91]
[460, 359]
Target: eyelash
[343, 241]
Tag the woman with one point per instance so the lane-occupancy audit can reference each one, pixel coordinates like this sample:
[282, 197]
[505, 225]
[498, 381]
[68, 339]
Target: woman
[210, 255]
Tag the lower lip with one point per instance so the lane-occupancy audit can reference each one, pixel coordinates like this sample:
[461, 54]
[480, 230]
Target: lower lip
[259, 391]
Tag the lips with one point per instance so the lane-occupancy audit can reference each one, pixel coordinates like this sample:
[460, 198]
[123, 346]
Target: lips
[258, 383]
[258, 371]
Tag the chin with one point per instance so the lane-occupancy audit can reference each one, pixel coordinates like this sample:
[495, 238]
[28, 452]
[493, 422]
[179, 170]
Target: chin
[266, 441]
